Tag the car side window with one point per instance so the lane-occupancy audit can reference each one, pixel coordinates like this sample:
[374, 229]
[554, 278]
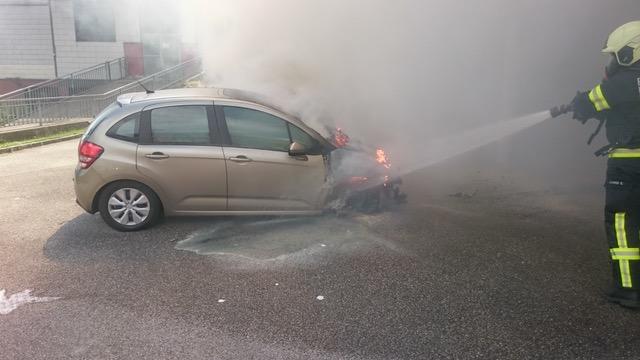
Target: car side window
[180, 125]
[127, 129]
[256, 129]
[298, 135]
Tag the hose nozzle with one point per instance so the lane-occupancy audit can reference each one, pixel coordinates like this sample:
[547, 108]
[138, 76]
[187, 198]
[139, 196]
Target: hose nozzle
[561, 110]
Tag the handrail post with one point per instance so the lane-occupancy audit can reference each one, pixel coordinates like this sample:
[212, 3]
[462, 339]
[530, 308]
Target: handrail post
[108, 70]
[39, 113]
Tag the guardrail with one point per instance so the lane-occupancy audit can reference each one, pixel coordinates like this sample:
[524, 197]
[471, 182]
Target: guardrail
[46, 110]
[75, 83]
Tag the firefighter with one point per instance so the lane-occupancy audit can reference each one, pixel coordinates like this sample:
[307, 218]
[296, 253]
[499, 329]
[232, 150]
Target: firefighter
[616, 103]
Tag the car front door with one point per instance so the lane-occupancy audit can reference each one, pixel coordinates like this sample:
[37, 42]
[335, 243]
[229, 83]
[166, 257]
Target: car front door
[180, 150]
[261, 174]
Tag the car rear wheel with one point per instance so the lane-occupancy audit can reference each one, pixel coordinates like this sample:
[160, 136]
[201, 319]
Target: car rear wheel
[129, 206]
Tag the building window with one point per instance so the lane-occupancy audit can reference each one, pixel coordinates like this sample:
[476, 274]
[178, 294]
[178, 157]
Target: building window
[94, 20]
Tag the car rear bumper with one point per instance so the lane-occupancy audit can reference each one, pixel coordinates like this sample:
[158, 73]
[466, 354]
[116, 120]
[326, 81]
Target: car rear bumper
[86, 183]
[85, 208]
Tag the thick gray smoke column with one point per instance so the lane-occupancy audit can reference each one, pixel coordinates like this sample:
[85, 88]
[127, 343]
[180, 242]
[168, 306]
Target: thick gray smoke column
[406, 73]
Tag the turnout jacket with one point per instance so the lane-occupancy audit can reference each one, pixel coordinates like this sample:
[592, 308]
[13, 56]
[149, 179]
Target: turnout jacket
[617, 101]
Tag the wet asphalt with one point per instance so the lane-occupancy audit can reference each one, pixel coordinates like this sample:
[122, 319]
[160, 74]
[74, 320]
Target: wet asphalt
[468, 269]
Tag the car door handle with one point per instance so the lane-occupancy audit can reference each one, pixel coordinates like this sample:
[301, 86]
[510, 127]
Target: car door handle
[240, 159]
[157, 156]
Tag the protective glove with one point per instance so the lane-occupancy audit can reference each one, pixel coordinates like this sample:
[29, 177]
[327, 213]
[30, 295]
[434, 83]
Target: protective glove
[560, 110]
[583, 110]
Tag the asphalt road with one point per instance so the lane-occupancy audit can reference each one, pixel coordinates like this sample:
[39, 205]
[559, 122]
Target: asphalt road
[472, 268]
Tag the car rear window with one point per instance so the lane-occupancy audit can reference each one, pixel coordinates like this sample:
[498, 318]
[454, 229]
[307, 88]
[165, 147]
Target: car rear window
[108, 111]
[180, 125]
[127, 129]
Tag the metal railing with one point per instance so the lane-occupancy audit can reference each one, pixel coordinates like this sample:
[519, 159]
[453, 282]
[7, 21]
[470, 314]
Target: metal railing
[46, 110]
[76, 83]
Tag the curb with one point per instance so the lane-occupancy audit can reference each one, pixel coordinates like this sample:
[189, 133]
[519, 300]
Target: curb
[20, 133]
[38, 143]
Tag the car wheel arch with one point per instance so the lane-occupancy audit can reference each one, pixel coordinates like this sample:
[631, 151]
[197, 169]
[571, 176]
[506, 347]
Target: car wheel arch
[96, 197]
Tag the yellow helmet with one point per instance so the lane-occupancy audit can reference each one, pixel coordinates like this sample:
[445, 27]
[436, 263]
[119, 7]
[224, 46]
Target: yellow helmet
[624, 44]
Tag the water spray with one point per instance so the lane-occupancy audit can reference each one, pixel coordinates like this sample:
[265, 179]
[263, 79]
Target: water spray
[439, 150]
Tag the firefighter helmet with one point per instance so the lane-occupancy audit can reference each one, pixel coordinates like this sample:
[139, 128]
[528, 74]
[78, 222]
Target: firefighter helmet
[624, 44]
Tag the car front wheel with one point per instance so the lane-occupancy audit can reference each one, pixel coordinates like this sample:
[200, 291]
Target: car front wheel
[129, 206]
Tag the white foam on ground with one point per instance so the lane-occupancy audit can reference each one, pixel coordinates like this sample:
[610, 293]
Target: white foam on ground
[7, 305]
[282, 242]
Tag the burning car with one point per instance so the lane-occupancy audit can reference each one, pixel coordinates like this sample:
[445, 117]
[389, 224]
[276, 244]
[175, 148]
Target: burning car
[362, 176]
[219, 152]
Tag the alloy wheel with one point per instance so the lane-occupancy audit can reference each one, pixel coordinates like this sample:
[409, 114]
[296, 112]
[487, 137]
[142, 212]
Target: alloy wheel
[129, 206]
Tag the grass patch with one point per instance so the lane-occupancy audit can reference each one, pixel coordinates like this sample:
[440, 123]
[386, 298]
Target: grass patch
[57, 135]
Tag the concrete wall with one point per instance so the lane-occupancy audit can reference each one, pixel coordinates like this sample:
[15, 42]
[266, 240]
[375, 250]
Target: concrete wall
[25, 38]
[9, 85]
[74, 55]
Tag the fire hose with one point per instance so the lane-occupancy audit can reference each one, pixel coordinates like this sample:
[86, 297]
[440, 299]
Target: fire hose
[560, 110]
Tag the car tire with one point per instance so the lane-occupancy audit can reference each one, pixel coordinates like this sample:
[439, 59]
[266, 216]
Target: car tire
[129, 206]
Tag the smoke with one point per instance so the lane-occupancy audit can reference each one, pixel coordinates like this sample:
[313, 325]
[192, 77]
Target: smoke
[406, 74]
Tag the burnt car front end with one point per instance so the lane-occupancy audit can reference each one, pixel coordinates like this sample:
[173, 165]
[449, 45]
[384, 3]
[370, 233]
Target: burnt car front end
[363, 178]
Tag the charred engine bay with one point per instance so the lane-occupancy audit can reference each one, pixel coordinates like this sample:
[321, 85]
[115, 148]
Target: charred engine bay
[363, 178]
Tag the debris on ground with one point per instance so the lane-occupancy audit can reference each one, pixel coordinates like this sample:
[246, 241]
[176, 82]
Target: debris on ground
[464, 195]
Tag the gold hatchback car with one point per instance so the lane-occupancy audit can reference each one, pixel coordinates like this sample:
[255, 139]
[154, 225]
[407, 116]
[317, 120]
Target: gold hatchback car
[198, 152]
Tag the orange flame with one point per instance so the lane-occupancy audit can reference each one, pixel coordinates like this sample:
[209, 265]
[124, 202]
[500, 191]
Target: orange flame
[341, 138]
[382, 158]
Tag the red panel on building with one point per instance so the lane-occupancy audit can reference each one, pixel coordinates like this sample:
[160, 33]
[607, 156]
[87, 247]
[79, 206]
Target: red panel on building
[135, 59]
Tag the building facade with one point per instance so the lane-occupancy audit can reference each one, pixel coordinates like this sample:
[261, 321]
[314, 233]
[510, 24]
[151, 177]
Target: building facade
[43, 39]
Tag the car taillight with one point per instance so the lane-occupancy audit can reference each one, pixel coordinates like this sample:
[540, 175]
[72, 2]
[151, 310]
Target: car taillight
[88, 152]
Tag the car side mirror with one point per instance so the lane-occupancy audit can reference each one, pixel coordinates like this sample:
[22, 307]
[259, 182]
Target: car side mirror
[297, 149]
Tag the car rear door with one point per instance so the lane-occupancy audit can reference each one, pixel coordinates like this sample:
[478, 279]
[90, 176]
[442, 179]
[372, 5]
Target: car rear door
[180, 150]
[261, 174]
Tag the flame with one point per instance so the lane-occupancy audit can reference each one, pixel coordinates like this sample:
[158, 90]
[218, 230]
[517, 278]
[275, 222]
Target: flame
[382, 158]
[341, 139]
